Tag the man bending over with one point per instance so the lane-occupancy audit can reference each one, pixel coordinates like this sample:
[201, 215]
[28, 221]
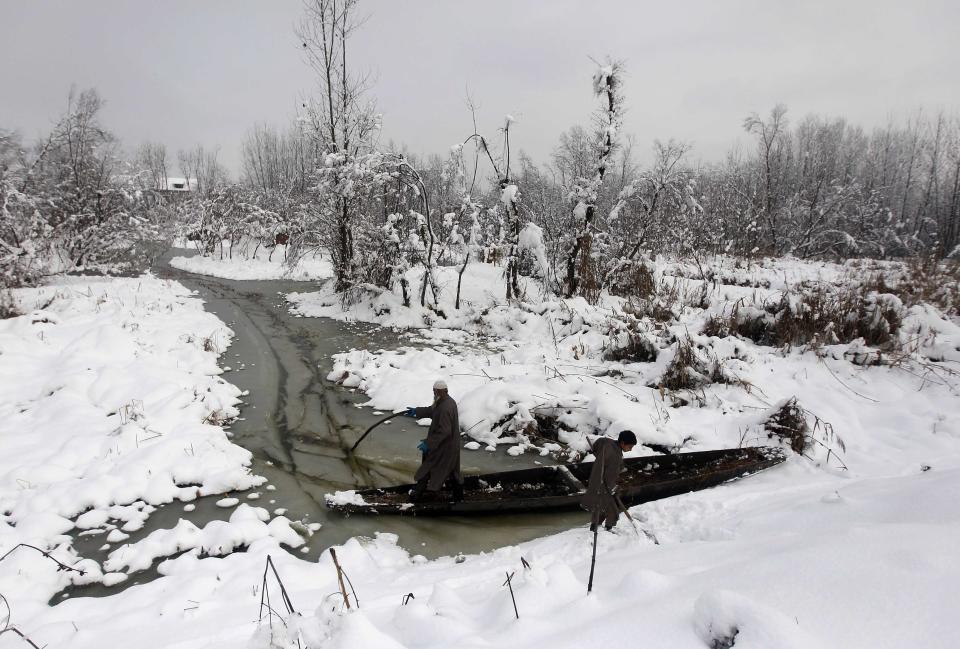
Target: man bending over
[600, 497]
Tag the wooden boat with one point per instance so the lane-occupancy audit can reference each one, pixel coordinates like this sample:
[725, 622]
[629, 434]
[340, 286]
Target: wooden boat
[554, 488]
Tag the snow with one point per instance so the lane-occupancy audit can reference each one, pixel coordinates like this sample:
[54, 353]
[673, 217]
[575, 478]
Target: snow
[508, 194]
[245, 265]
[110, 387]
[217, 538]
[763, 556]
[550, 358]
[531, 239]
[481, 286]
[805, 554]
[350, 497]
[600, 77]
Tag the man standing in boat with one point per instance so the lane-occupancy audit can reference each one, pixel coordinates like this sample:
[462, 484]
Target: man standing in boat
[600, 498]
[441, 448]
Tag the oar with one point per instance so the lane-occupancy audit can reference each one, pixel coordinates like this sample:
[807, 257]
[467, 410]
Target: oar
[392, 415]
[636, 526]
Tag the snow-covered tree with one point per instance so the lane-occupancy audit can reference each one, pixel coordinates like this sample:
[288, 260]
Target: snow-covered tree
[341, 125]
[581, 272]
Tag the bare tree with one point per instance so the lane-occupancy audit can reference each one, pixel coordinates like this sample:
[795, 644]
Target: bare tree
[341, 125]
[769, 133]
[276, 161]
[202, 167]
[152, 157]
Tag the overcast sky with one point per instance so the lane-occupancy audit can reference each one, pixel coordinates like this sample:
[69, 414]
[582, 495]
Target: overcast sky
[184, 72]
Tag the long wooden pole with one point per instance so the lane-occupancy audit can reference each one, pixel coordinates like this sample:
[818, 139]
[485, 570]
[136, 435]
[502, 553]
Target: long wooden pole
[636, 526]
[392, 415]
[593, 562]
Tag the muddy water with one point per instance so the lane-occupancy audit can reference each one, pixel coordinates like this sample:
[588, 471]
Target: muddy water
[299, 427]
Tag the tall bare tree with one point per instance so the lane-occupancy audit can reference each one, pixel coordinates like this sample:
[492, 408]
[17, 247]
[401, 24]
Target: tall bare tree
[769, 134]
[202, 167]
[152, 158]
[341, 123]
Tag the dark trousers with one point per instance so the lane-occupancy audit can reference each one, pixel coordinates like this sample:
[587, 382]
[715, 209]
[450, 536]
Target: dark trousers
[451, 483]
[609, 518]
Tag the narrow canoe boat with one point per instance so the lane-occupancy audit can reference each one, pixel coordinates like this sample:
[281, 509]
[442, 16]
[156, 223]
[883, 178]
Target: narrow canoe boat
[555, 488]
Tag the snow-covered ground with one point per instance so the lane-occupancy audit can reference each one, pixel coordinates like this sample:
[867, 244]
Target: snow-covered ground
[795, 557]
[509, 365]
[249, 262]
[807, 554]
[826, 552]
[112, 406]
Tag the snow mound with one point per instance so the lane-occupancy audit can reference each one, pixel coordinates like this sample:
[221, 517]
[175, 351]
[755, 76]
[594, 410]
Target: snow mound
[725, 619]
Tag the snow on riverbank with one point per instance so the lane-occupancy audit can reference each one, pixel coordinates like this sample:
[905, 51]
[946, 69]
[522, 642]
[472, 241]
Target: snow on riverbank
[565, 369]
[256, 264]
[112, 406]
[793, 557]
[481, 286]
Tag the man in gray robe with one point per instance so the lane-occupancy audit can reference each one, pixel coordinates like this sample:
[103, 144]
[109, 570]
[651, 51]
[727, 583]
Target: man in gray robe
[441, 448]
[599, 498]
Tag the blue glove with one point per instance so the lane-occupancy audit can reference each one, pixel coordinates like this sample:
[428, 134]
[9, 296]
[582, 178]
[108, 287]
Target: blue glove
[411, 412]
[422, 446]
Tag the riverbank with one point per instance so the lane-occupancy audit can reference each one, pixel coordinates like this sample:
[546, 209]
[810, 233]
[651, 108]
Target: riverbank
[248, 261]
[113, 407]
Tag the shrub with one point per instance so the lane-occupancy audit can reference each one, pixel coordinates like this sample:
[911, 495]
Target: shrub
[818, 315]
[8, 306]
[628, 342]
[928, 279]
[689, 370]
[788, 424]
[631, 279]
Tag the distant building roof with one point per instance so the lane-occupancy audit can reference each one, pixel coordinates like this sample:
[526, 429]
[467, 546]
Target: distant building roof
[180, 184]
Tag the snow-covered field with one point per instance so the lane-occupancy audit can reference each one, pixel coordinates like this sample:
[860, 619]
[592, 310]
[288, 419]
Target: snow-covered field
[791, 558]
[807, 554]
[249, 262]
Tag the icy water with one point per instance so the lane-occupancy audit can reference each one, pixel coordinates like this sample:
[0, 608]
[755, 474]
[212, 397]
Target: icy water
[299, 427]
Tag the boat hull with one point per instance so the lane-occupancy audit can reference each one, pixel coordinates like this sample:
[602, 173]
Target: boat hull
[560, 488]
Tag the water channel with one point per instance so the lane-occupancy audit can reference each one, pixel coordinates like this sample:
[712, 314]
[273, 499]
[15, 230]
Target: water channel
[299, 426]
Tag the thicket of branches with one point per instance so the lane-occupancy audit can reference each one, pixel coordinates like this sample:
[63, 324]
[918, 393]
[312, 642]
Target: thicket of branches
[74, 201]
[586, 220]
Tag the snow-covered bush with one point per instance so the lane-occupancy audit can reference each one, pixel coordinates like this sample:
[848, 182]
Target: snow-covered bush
[631, 278]
[630, 341]
[820, 314]
[691, 368]
[8, 306]
[787, 422]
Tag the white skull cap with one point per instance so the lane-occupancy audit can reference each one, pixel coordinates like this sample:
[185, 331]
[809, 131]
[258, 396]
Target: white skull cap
[440, 385]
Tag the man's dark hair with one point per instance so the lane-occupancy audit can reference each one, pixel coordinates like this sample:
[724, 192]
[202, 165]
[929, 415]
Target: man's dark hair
[627, 437]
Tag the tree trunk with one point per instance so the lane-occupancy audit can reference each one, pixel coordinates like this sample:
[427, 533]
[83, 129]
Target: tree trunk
[466, 260]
